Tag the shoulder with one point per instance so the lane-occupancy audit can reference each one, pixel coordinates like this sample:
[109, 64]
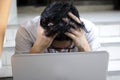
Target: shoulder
[88, 24]
[29, 28]
[91, 27]
[31, 23]
[92, 35]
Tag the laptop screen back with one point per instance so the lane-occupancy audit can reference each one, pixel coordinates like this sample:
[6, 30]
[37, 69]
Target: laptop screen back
[60, 66]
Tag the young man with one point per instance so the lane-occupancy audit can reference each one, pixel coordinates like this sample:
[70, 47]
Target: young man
[59, 29]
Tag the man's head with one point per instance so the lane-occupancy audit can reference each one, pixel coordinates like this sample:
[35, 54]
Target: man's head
[52, 19]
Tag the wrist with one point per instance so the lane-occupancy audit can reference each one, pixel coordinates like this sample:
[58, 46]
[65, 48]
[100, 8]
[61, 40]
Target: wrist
[84, 48]
[36, 48]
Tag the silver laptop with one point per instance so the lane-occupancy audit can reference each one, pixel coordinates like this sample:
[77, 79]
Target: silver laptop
[60, 66]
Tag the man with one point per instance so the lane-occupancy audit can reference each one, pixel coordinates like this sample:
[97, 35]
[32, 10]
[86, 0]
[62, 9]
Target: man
[59, 29]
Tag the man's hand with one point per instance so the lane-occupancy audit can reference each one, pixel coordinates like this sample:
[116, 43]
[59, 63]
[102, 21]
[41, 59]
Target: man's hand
[42, 41]
[78, 36]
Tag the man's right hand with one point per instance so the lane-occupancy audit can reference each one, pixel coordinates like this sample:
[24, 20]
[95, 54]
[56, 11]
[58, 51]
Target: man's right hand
[42, 41]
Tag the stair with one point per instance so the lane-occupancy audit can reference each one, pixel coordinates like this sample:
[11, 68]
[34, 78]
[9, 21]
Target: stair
[107, 21]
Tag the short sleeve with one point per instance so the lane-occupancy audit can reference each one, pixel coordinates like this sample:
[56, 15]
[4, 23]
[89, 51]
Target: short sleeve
[93, 39]
[92, 35]
[23, 41]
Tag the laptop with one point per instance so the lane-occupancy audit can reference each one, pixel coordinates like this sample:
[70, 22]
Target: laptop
[60, 66]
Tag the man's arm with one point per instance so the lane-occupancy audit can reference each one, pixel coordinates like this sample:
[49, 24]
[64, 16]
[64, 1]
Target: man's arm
[89, 41]
[78, 35]
[24, 42]
[79, 39]
[42, 41]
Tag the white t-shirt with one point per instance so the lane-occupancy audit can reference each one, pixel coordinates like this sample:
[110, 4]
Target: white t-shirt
[26, 36]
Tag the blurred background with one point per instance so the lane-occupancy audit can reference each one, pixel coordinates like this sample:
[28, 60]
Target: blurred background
[105, 14]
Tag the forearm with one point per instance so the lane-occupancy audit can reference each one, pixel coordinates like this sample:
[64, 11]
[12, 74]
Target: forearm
[36, 48]
[84, 48]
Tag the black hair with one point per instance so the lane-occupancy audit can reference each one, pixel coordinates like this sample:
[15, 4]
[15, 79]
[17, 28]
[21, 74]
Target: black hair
[54, 13]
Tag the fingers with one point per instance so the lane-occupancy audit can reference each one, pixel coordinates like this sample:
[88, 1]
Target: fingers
[72, 36]
[54, 36]
[73, 33]
[69, 22]
[75, 21]
[74, 17]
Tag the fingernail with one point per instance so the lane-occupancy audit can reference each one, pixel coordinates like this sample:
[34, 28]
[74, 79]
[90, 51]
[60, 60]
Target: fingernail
[63, 19]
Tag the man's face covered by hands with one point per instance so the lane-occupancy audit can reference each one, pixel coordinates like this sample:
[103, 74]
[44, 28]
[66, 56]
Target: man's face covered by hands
[59, 26]
[53, 20]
